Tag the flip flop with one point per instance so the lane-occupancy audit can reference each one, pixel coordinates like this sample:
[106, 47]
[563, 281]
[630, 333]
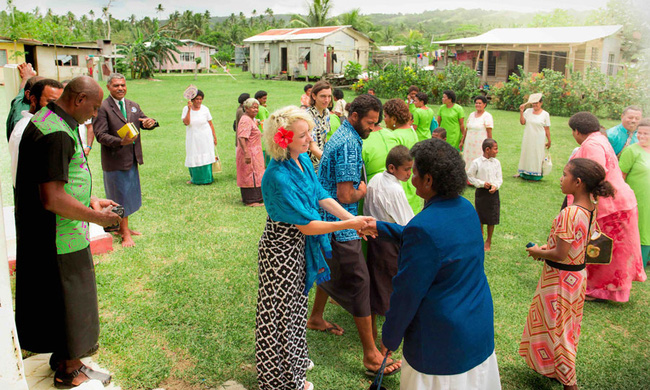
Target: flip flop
[64, 381]
[372, 373]
[331, 329]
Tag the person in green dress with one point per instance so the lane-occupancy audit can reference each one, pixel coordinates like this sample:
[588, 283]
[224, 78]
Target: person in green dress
[396, 118]
[410, 98]
[375, 149]
[635, 165]
[451, 116]
[262, 114]
[422, 116]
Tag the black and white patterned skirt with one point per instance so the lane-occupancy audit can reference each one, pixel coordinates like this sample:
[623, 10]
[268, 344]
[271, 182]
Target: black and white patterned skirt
[281, 321]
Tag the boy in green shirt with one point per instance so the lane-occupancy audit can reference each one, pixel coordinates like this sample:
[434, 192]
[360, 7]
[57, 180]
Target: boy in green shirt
[262, 114]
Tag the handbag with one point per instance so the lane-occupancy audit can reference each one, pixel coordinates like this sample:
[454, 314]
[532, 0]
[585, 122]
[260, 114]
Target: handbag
[600, 247]
[216, 165]
[547, 164]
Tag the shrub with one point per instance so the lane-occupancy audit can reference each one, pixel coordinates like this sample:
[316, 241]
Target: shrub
[592, 91]
[352, 70]
[394, 80]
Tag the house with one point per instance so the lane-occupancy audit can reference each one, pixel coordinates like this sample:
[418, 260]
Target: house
[307, 52]
[564, 49]
[390, 54]
[190, 50]
[63, 62]
[13, 52]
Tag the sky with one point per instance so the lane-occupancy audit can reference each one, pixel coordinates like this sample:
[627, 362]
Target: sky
[122, 9]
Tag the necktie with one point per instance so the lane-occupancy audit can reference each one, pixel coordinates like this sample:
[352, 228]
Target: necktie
[123, 109]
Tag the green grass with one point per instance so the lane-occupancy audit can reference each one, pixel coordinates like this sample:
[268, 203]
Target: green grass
[178, 310]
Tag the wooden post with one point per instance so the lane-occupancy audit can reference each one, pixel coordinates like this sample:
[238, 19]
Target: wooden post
[570, 62]
[526, 60]
[446, 55]
[552, 60]
[486, 58]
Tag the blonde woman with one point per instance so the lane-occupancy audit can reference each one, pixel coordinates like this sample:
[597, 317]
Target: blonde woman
[291, 250]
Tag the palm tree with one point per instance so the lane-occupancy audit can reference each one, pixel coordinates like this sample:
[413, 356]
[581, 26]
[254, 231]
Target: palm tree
[160, 9]
[318, 15]
[107, 15]
[356, 20]
[92, 14]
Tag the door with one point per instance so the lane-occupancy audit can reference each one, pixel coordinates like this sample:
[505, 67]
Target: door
[283, 59]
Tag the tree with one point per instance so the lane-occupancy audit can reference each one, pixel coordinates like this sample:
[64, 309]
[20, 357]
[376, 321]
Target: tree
[635, 26]
[160, 9]
[356, 20]
[107, 15]
[318, 15]
[143, 53]
[557, 18]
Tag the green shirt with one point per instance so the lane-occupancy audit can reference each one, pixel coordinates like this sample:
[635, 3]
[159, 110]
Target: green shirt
[450, 121]
[422, 119]
[375, 150]
[262, 114]
[15, 109]
[335, 123]
[635, 161]
[71, 235]
[408, 138]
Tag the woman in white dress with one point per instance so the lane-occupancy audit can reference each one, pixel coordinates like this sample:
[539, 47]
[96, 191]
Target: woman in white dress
[479, 128]
[537, 136]
[200, 140]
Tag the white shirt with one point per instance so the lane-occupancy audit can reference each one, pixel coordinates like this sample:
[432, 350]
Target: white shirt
[199, 141]
[14, 141]
[386, 200]
[339, 107]
[483, 170]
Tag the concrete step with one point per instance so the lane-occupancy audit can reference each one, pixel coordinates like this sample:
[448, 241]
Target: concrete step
[41, 377]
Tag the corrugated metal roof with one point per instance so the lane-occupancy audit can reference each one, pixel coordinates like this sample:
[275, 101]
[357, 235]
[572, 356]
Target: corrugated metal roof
[539, 35]
[295, 34]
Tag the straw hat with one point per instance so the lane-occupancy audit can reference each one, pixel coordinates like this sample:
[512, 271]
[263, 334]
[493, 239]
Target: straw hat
[534, 98]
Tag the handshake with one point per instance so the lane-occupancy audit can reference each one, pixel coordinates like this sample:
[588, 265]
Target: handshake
[364, 225]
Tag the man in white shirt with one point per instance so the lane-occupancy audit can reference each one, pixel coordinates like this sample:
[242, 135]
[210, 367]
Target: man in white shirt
[386, 201]
[485, 174]
[42, 92]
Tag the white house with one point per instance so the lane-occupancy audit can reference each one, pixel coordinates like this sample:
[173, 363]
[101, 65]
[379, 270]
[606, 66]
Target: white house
[564, 49]
[307, 52]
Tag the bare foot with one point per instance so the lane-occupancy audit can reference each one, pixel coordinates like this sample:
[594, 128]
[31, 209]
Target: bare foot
[127, 241]
[309, 386]
[374, 363]
[135, 233]
[486, 247]
[325, 326]
[572, 387]
[255, 204]
[188, 182]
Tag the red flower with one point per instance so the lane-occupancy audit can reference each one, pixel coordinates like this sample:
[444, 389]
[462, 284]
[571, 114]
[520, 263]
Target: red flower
[283, 137]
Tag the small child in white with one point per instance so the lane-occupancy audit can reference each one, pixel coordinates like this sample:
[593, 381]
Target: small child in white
[386, 201]
[485, 174]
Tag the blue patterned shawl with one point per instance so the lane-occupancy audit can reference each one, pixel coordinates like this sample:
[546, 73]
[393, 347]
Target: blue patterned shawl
[291, 196]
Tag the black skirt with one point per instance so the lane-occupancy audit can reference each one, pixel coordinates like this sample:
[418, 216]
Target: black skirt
[488, 206]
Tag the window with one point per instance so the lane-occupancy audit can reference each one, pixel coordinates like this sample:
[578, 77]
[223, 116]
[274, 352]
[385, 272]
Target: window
[187, 56]
[305, 55]
[544, 60]
[67, 60]
[594, 57]
[266, 56]
[3, 57]
[492, 64]
[610, 65]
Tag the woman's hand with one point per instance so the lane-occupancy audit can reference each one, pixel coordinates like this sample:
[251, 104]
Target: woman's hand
[215, 139]
[522, 107]
[369, 230]
[548, 144]
[535, 252]
[189, 104]
[360, 222]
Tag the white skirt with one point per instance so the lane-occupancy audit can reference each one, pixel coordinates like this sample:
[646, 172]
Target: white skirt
[485, 376]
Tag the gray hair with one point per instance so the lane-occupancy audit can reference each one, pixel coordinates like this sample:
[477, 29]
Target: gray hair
[248, 103]
[632, 108]
[114, 76]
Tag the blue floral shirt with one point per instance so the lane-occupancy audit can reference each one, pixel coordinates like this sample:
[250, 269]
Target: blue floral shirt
[341, 162]
[617, 136]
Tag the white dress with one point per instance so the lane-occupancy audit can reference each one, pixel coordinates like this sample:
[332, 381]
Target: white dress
[199, 142]
[533, 143]
[476, 134]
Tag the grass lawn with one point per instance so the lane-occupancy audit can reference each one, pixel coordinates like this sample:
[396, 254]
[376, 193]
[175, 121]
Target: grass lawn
[178, 310]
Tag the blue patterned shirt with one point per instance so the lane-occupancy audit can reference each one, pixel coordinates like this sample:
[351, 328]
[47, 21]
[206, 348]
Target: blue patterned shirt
[341, 162]
[617, 136]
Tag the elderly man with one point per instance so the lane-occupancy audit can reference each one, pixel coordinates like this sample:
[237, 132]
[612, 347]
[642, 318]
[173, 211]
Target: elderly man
[41, 94]
[121, 156]
[56, 293]
[340, 173]
[624, 134]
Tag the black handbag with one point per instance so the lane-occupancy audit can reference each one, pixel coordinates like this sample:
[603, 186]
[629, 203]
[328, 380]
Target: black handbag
[600, 247]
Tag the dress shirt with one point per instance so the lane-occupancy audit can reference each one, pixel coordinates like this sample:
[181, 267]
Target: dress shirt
[14, 141]
[386, 200]
[485, 170]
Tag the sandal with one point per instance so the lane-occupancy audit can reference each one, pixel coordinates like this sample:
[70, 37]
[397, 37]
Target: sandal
[54, 360]
[65, 381]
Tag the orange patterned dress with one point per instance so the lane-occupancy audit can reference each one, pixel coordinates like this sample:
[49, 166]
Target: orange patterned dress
[550, 340]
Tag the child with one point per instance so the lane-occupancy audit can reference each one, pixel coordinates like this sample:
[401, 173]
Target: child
[553, 323]
[261, 116]
[422, 116]
[410, 97]
[305, 99]
[439, 132]
[371, 92]
[485, 174]
[339, 106]
[386, 201]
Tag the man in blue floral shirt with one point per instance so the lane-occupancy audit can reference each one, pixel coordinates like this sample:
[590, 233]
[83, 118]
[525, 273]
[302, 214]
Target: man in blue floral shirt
[340, 173]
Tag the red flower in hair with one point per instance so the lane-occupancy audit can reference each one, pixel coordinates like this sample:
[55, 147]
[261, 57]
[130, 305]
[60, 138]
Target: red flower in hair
[283, 137]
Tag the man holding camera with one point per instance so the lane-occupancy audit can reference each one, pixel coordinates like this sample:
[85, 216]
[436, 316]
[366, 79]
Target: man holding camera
[56, 293]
